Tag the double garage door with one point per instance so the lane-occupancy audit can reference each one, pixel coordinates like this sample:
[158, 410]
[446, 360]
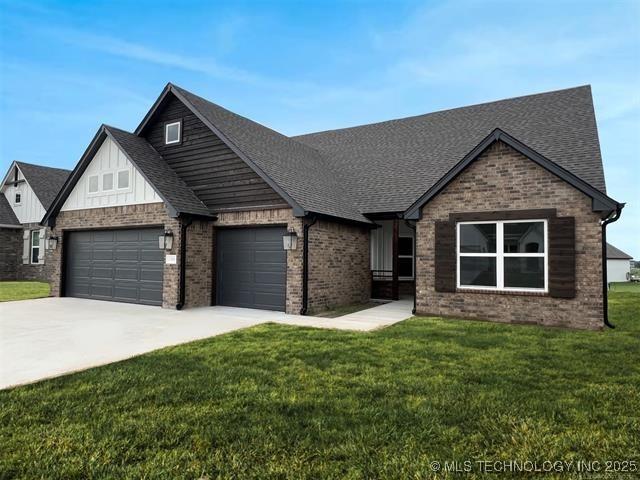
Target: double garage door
[116, 265]
[127, 266]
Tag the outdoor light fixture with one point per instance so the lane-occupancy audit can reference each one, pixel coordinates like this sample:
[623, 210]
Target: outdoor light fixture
[165, 241]
[290, 240]
[52, 243]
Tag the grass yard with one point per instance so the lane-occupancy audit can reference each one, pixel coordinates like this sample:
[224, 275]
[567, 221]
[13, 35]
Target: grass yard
[285, 402]
[633, 287]
[10, 291]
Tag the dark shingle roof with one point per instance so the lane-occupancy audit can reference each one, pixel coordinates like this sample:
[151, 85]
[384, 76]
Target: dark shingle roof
[7, 217]
[389, 165]
[158, 172]
[46, 182]
[306, 175]
[614, 253]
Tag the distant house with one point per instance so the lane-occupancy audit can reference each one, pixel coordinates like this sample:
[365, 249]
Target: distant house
[618, 265]
[26, 193]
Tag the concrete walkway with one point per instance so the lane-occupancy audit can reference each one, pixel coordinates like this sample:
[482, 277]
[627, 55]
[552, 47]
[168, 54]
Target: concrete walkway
[54, 336]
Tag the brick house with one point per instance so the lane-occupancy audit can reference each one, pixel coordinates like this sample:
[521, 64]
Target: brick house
[494, 211]
[25, 194]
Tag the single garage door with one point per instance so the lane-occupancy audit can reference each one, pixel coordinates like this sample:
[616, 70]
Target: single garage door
[251, 268]
[116, 265]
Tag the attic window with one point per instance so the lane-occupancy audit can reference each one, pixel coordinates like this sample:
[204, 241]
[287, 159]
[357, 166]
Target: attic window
[172, 133]
[93, 183]
[18, 199]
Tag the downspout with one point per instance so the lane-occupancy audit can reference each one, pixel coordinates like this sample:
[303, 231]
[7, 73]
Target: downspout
[605, 287]
[305, 265]
[183, 262]
[415, 276]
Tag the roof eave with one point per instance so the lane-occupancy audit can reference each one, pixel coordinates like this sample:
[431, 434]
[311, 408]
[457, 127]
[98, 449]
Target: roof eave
[601, 203]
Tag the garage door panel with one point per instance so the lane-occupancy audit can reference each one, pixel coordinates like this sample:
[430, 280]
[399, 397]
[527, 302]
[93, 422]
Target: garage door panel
[100, 236]
[118, 265]
[251, 268]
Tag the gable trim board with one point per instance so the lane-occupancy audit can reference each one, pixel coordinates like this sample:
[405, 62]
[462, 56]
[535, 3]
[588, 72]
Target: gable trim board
[103, 132]
[600, 202]
[298, 211]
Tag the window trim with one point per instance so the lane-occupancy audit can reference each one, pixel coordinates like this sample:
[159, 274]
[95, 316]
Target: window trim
[413, 253]
[113, 180]
[17, 203]
[117, 179]
[32, 247]
[89, 177]
[166, 131]
[500, 255]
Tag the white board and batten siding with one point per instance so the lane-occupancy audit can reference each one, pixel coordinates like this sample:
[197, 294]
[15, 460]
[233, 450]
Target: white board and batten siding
[29, 210]
[109, 159]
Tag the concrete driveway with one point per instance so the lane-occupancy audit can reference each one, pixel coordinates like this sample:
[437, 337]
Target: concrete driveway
[49, 337]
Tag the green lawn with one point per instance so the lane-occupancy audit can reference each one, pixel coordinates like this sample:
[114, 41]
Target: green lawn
[284, 402]
[625, 287]
[23, 290]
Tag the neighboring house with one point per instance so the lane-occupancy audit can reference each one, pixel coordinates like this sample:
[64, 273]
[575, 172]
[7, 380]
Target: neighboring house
[618, 265]
[25, 194]
[491, 211]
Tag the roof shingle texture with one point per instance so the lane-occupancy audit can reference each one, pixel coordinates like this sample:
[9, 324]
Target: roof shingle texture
[307, 176]
[46, 182]
[159, 173]
[614, 253]
[387, 166]
[7, 217]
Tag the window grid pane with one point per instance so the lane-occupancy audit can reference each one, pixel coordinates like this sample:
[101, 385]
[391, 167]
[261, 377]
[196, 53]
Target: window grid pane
[514, 270]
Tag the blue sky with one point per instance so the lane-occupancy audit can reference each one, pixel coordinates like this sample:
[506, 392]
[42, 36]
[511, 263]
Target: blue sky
[67, 67]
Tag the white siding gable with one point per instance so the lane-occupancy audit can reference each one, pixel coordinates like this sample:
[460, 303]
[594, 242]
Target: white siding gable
[106, 164]
[30, 210]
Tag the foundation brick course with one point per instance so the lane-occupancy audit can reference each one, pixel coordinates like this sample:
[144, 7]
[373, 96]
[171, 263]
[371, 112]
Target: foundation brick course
[503, 179]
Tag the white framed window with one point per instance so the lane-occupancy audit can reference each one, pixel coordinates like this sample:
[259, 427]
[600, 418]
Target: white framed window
[509, 255]
[123, 179]
[34, 256]
[92, 182]
[17, 199]
[107, 181]
[405, 258]
[172, 132]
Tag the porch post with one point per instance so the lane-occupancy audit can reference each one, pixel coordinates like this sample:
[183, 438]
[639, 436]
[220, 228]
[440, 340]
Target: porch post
[394, 260]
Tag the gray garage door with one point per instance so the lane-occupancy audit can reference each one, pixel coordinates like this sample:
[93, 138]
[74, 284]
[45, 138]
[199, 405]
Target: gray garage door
[116, 265]
[251, 268]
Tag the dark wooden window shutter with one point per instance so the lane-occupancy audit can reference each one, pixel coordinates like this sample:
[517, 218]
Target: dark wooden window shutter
[445, 256]
[562, 257]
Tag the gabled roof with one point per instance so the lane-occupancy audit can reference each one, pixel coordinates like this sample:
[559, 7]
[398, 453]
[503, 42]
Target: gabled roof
[179, 198]
[401, 159]
[7, 217]
[45, 182]
[300, 174]
[614, 253]
[600, 201]
[171, 188]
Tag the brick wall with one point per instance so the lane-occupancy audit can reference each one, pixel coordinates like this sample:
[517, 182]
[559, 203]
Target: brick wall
[503, 179]
[10, 253]
[339, 265]
[123, 216]
[200, 248]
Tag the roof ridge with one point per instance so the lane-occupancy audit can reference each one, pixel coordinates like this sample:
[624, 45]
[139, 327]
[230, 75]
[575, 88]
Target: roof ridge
[444, 110]
[20, 162]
